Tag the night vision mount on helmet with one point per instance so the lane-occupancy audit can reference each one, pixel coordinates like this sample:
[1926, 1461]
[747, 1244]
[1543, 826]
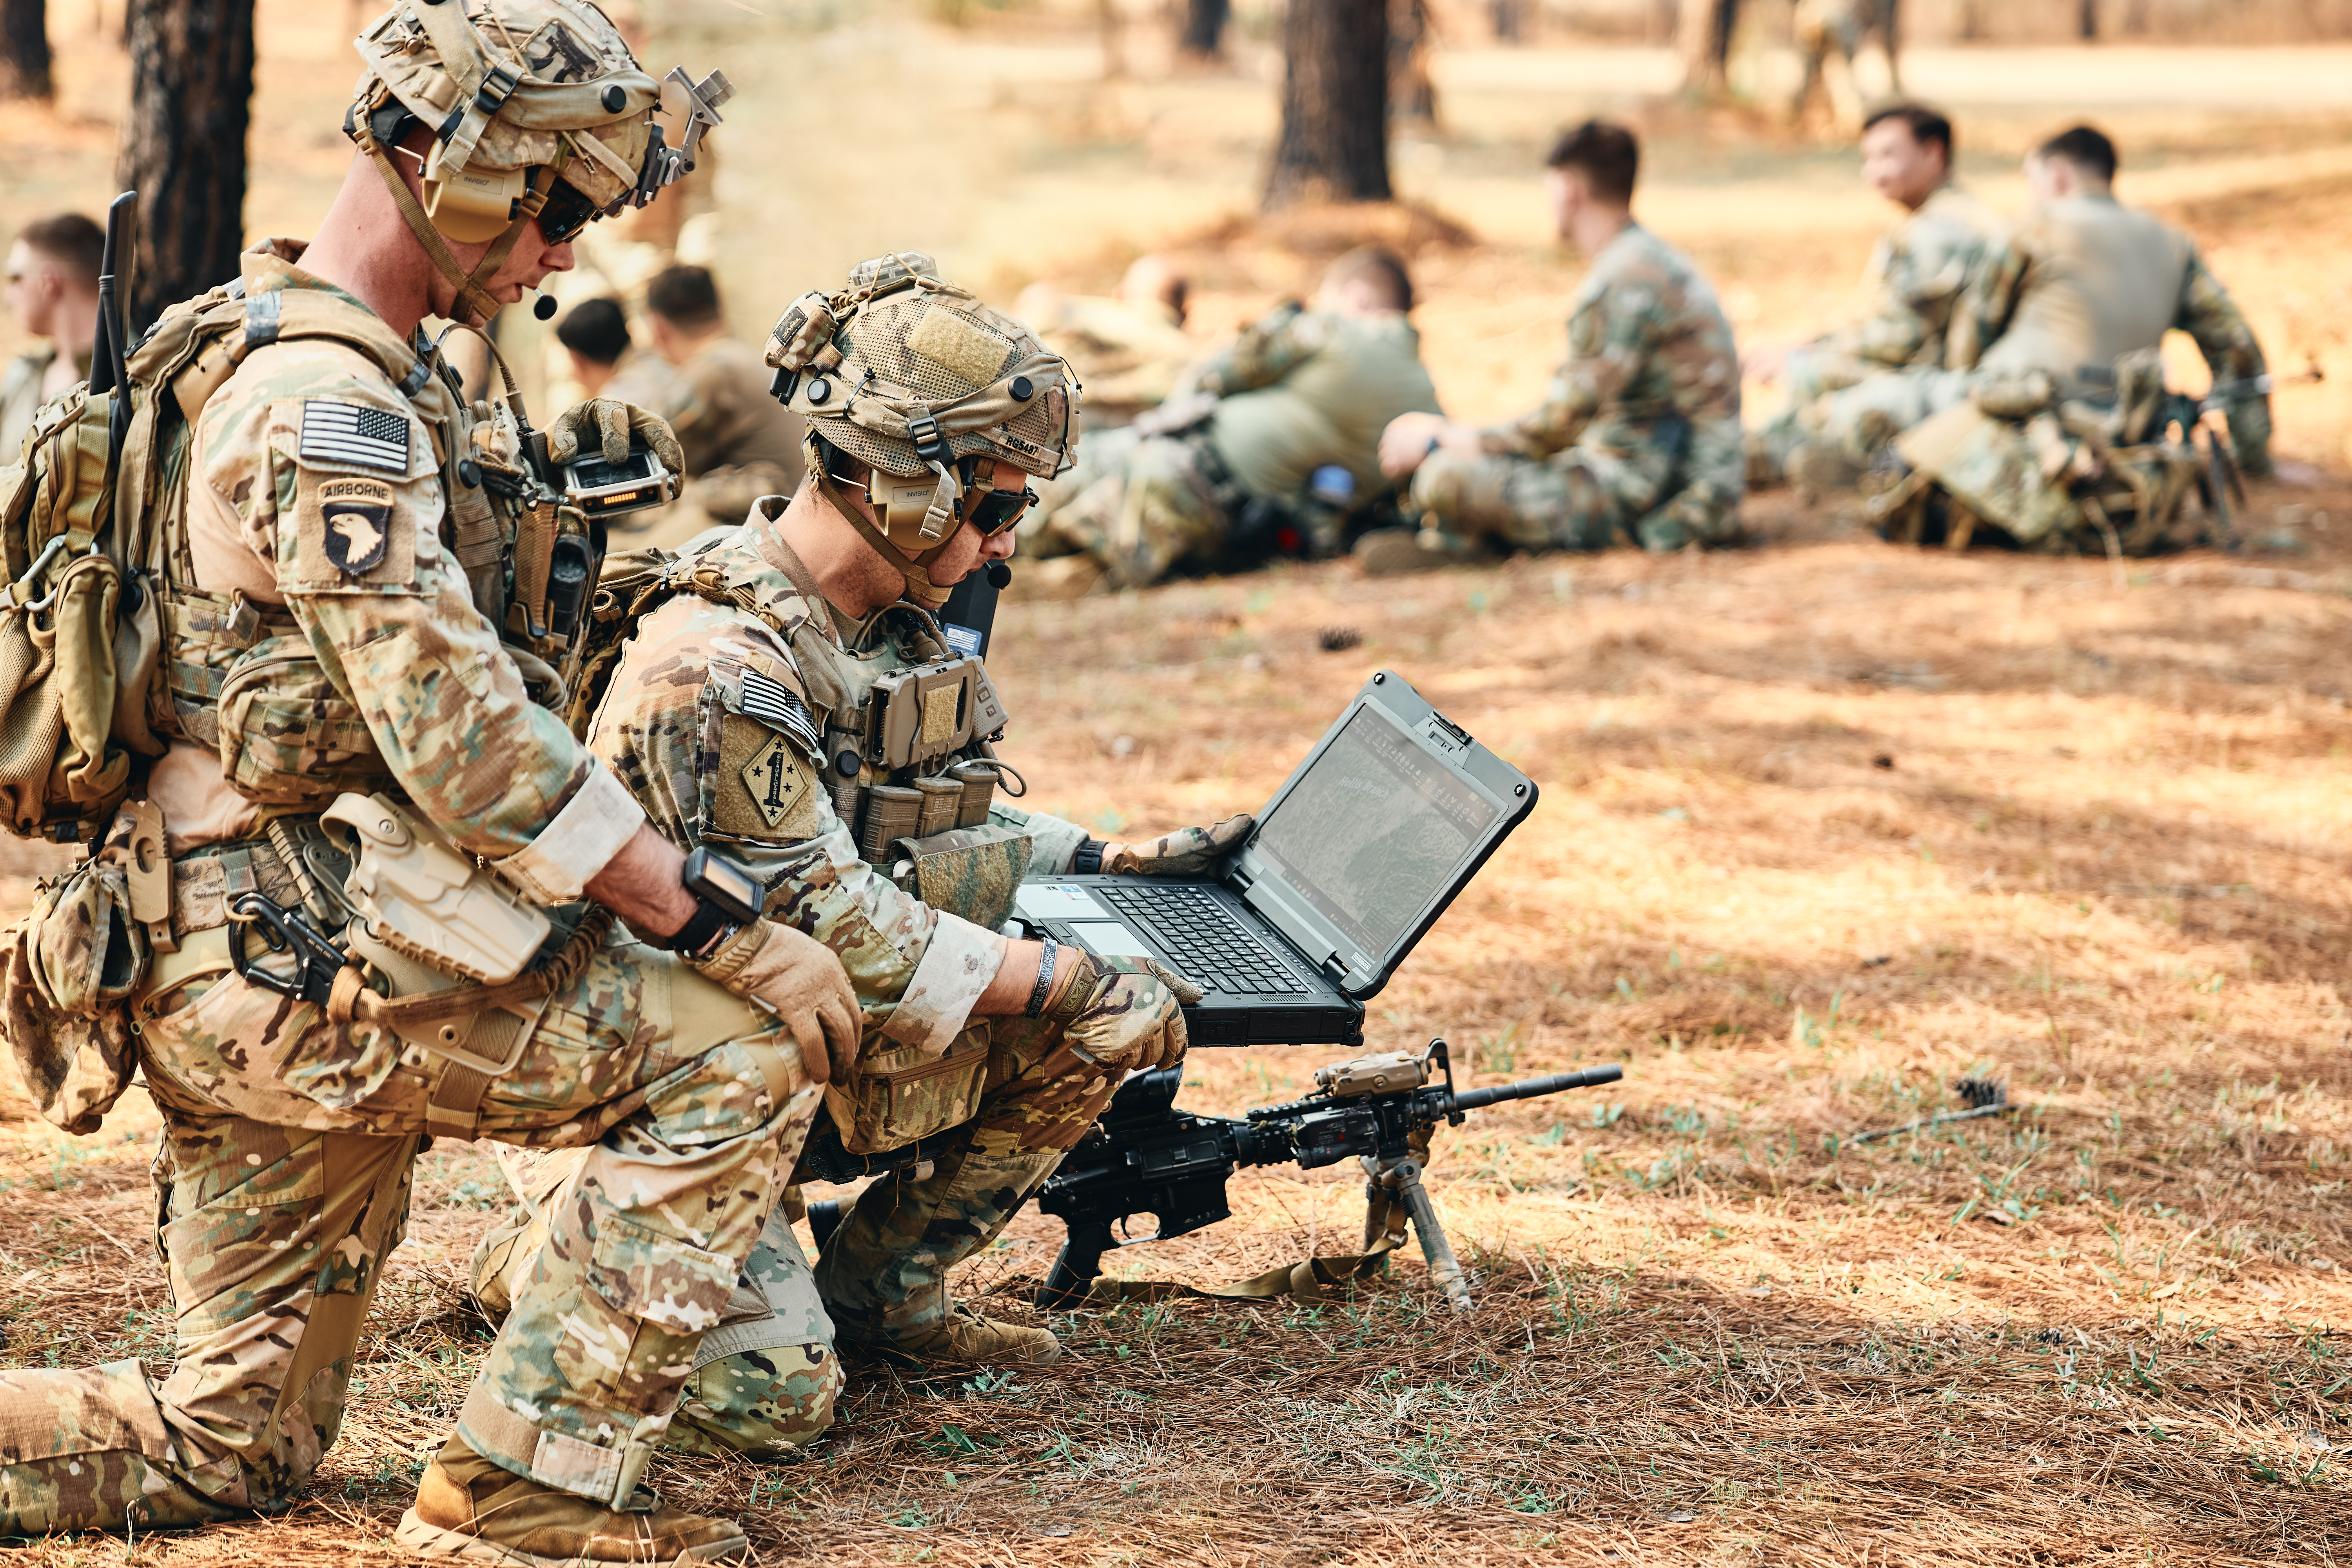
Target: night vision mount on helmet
[538, 109]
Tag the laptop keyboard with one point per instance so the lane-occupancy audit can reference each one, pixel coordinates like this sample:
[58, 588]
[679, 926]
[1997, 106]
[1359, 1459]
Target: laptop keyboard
[1211, 949]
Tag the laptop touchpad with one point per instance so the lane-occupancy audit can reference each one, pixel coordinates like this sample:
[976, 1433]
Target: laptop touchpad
[1108, 938]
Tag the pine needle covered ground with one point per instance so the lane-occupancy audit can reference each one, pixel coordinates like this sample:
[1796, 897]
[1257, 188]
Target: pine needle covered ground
[1825, 828]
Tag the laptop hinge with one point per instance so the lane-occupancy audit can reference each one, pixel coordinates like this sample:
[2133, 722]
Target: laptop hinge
[1335, 968]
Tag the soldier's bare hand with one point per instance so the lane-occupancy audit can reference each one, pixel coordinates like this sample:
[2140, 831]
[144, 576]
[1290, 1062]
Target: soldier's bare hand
[1409, 438]
[1124, 1012]
[1187, 852]
[605, 425]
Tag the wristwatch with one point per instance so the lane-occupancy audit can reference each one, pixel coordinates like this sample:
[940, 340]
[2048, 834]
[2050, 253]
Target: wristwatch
[727, 898]
[1088, 861]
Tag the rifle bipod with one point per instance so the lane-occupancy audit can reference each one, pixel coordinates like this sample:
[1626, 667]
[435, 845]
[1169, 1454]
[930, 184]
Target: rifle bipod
[1393, 1196]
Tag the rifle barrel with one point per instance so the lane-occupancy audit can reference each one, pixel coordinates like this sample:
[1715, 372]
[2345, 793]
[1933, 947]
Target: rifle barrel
[1529, 1089]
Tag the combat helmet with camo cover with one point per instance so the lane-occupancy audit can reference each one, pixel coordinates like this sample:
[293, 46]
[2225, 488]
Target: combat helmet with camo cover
[537, 109]
[920, 382]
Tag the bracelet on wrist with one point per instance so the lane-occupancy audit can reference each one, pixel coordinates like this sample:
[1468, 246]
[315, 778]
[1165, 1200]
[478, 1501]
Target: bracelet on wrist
[1045, 985]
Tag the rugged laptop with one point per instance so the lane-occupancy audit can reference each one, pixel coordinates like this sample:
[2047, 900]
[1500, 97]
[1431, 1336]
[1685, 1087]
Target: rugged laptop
[1355, 857]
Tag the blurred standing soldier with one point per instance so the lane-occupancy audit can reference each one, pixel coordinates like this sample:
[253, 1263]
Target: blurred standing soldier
[740, 443]
[1640, 432]
[331, 530]
[749, 650]
[1824, 25]
[53, 292]
[1263, 451]
[1917, 273]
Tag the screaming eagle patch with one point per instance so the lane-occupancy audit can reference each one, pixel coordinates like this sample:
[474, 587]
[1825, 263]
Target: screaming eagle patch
[357, 517]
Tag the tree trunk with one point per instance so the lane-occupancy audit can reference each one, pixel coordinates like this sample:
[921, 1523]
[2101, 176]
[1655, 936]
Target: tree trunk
[25, 49]
[1334, 142]
[1707, 29]
[2087, 21]
[1509, 18]
[183, 146]
[1205, 28]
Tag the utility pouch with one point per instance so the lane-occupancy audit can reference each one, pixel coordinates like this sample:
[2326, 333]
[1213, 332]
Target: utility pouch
[288, 737]
[898, 1097]
[67, 969]
[921, 714]
[420, 896]
[973, 872]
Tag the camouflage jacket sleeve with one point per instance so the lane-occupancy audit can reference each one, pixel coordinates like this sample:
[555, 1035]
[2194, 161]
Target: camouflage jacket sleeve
[2209, 315]
[1610, 330]
[331, 477]
[1268, 349]
[674, 729]
[1989, 301]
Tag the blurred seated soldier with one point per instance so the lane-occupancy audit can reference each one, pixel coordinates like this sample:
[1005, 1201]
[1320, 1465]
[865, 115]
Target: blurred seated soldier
[1266, 450]
[53, 292]
[740, 443]
[1640, 435]
[1917, 273]
[752, 647]
[1128, 349]
[2080, 283]
[595, 338]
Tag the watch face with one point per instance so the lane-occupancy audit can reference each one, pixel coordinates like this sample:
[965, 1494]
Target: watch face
[726, 884]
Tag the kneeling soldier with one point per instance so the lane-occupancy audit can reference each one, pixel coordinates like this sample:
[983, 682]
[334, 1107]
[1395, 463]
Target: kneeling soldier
[334, 591]
[788, 695]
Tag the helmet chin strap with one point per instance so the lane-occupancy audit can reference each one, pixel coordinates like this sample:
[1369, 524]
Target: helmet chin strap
[472, 291]
[917, 572]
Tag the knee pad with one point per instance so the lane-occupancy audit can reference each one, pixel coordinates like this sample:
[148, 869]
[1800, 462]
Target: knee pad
[758, 1401]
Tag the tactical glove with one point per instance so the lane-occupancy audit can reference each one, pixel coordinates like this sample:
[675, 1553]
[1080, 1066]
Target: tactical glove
[802, 981]
[1187, 852]
[604, 424]
[1123, 1012]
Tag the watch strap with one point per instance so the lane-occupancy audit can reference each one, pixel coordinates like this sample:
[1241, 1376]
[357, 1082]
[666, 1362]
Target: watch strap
[1089, 859]
[704, 929]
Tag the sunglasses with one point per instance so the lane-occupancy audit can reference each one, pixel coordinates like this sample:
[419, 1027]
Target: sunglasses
[567, 212]
[993, 511]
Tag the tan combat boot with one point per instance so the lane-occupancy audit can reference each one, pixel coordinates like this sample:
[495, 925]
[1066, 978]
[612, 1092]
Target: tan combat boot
[469, 1510]
[963, 1338]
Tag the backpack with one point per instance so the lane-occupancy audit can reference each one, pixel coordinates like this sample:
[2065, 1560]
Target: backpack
[95, 543]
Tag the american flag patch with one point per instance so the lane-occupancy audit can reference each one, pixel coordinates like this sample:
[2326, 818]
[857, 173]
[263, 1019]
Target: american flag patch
[779, 707]
[348, 433]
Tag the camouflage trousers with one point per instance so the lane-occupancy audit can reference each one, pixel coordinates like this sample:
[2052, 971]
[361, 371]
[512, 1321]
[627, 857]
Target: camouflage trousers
[767, 1377]
[283, 1186]
[1138, 504]
[1860, 421]
[1810, 375]
[1581, 499]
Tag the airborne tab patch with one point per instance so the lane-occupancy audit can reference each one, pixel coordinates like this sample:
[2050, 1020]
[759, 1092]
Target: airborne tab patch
[352, 433]
[357, 518]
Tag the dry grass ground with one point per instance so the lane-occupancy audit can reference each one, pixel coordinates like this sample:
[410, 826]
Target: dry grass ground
[1825, 825]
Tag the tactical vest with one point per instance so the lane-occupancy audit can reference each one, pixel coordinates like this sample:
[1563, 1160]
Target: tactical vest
[902, 732]
[239, 677]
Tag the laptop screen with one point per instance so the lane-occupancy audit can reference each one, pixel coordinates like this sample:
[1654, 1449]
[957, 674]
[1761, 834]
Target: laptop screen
[1374, 830]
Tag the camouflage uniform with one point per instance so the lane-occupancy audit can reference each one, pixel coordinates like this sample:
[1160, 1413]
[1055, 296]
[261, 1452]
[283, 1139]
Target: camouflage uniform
[1299, 391]
[740, 443]
[1641, 431]
[1918, 274]
[674, 727]
[324, 511]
